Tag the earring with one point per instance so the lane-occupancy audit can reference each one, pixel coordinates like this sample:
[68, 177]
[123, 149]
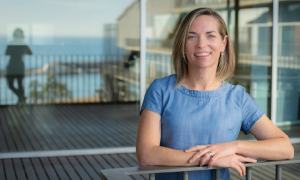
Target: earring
[222, 54]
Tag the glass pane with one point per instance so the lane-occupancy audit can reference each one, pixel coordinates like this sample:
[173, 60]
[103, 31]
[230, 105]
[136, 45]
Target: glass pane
[55, 54]
[253, 60]
[288, 63]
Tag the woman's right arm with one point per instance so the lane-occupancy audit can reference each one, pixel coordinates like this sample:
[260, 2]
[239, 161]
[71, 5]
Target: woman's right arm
[148, 149]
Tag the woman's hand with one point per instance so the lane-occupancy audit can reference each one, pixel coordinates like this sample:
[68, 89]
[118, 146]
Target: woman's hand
[235, 162]
[209, 154]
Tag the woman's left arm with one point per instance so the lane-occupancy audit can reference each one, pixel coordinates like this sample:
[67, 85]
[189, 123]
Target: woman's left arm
[272, 144]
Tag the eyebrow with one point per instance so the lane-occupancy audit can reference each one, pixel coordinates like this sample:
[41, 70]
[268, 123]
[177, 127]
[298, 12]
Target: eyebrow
[208, 32]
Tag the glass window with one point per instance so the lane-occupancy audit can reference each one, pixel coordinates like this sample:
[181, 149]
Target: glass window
[288, 62]
[56, 53]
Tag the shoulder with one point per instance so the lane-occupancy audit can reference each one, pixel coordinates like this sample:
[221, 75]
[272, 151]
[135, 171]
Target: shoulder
[236, 90]
[165, 82]
[236, 93]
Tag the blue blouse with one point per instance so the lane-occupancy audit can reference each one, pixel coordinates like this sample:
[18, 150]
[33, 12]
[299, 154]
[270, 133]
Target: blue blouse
[190, 117]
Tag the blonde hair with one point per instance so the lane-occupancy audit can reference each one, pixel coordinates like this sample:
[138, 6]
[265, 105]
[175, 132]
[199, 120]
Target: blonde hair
[226, 63]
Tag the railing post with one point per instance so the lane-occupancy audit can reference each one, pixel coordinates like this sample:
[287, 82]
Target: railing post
[185, 175]
[217, 174]
[248, 173]
[151, 176]
[278, 172]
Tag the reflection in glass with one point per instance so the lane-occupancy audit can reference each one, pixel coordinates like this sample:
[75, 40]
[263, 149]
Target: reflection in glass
[84, 53]
[15, 68]
[288, 62]
[253, 68]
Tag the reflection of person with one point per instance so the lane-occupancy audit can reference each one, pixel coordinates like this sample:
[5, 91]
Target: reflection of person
[194, 117]
[15, 69]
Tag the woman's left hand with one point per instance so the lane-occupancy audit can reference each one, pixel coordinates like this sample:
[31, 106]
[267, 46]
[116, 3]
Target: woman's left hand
[212, 152]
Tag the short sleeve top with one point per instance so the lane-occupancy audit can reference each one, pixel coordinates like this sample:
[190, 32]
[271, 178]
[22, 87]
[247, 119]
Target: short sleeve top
[190, 117]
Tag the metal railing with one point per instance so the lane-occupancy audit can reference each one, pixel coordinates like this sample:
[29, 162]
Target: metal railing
[123, 173]
[52, 79]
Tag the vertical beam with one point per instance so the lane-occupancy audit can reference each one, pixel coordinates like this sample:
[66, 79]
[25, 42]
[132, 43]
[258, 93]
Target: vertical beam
[274, 60]
[228, 16]
[151, 176]
[142, 50]
[278, 172]
[236, 31]
[248, 173]
[185, 175]
[217, 174]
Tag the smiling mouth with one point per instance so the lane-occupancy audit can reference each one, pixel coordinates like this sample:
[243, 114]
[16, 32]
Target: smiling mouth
[202, 54]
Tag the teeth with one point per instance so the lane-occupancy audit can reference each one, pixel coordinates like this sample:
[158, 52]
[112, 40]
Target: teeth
[202, 54]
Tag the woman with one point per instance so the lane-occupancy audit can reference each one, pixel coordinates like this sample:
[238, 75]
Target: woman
[15, 69]
[194, 117]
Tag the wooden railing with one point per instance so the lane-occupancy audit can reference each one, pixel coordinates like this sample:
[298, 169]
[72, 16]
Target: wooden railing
[123, 173]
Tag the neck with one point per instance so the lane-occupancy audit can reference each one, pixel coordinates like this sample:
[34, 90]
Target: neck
[204, 80]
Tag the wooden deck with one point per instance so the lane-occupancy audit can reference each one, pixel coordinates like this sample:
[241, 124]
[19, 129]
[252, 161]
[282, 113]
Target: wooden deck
[61, 127]
[67, 127]
[88, 167]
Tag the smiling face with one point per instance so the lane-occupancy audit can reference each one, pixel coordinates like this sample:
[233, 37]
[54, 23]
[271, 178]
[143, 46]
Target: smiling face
[204, 43]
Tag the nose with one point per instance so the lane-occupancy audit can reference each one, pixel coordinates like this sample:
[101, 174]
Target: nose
[201, 43]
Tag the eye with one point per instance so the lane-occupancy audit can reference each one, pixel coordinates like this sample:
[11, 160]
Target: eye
[191, 37]
[211, 36]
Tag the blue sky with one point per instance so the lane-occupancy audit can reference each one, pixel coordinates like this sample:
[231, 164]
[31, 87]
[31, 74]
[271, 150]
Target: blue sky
[59, 17]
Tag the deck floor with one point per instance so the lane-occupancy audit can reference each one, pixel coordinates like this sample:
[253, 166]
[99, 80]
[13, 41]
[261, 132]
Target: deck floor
[62, 127]
[88, 167]
[66, 127]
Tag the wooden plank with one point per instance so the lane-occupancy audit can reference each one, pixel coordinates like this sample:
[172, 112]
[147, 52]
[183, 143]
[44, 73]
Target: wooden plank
[290, 171]
[19, 170]
[69, 168]
[93, 162]
[119, 160]
[58, 124]
[111, 161]
[14, 131]
[2, 172]
[58, 168]
[45, 119]
[115, 129]
[43, 130]
[6, 131]
[48, 168]
[33, 127]
[3, 144]
[9, 169]
[30, 172]
[79, 169]
[103, 162]
[88, 168]
[101, 129]
[73, 132]
[127, 128]
[133, 157]
[65, 126]
[39, 169]
[23, 122]
[86, 127]
[264, 172]
[20, 129]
